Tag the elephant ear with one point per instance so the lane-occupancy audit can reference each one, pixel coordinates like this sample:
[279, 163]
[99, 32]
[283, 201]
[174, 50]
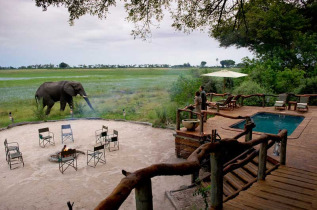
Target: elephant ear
[69, 89]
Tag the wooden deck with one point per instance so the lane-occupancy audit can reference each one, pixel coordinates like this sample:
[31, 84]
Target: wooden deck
[284, 188]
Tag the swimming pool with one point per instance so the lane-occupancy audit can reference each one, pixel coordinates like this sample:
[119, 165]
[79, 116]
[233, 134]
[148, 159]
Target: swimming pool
[272, 123]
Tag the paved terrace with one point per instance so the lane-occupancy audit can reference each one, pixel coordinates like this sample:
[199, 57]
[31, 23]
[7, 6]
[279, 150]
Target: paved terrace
[301, 146]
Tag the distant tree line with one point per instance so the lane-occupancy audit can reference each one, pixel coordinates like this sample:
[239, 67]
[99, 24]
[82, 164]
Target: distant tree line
[63, 65]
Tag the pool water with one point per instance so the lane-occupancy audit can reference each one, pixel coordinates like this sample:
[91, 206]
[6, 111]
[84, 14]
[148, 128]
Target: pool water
[272, 123]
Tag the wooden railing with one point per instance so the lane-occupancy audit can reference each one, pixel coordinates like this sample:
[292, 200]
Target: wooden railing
[140, 180]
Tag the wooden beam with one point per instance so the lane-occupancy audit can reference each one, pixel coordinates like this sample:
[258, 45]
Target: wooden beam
[216, 180]
[262, 161]
[143, 195]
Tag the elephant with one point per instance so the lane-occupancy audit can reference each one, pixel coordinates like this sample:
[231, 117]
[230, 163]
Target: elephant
[62, 91]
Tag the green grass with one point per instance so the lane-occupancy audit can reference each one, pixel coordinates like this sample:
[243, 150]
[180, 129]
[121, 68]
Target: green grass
[139, 91]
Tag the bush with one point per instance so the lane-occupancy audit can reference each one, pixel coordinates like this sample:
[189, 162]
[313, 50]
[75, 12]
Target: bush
[288, 80]
[183, 90]
[165, 115]
[39, 111]
[248, 88]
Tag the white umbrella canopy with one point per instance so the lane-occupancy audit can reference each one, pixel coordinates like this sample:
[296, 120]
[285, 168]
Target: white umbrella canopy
[225, 74]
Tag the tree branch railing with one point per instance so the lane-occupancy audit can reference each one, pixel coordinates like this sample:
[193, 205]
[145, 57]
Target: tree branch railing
[140, 180]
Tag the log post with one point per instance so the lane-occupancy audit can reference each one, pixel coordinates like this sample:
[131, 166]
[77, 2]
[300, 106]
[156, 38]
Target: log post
[263, 101]
[178, 123]
[216, 178]
[262, 161]
[283, 149]
[242, 99]
[143, 195]
[248, 136]
[217, 107]
[191, 115]
[201, 124]
[195, 176]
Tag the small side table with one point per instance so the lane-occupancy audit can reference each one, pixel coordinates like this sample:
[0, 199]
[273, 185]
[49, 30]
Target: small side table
[290, 103]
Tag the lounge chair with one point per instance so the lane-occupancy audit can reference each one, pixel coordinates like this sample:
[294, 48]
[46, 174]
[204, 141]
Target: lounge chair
[303, 104]
[99, 155]
[281, 101]
[233, 102]
[45, 137]
[222, 103]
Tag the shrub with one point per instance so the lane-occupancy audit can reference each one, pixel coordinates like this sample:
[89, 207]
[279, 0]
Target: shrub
[165, 115]
[183, 90]
[249, 87]
[39, 111]
[288, 80]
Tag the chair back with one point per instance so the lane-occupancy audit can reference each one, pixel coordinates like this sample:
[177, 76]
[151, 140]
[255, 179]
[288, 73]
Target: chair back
[104, 133]
[228, 100]
[304, 99]
[105, 127]
[282, 97]
[99, 147]
[5, 143]
[42, 130]
[237, 97]
[115, 132]
[66, 126]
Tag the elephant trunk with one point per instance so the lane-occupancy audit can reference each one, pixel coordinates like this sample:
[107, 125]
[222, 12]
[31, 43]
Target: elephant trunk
[88, 102]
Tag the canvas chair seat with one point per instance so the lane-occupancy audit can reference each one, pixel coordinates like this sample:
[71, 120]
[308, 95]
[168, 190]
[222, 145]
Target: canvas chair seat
[303, 103]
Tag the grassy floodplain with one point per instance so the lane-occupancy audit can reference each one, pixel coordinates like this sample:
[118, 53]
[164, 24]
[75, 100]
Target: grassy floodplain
[138, 91]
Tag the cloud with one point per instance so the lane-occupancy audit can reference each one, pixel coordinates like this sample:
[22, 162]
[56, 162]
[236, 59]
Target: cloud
[30, 36]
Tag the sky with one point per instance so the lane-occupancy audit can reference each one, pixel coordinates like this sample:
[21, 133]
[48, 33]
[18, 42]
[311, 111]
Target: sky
[30, 36]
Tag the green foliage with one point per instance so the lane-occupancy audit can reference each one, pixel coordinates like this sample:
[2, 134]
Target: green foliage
[310, 86]
[78, 109]
[276, 30]
[183, 90]
[39, 111]
[203, 191]
[165, 115]
[288, 80]
[250, 87]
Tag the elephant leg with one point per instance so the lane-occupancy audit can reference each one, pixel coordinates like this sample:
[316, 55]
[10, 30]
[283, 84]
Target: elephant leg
[63, 105]
[50, 104]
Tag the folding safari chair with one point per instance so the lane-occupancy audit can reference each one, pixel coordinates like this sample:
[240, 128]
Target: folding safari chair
[302, 105]
[66, 159]
[281, 101]
[13, 154]
[101, 134]
[12, 146]
[99, 155]
[45, 137]
[113, 138]
[67, 133]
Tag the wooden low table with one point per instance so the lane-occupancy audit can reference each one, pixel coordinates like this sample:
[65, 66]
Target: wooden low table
[290, 103]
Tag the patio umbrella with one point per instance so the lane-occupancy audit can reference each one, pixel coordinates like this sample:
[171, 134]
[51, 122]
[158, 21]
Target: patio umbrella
[225, 74]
